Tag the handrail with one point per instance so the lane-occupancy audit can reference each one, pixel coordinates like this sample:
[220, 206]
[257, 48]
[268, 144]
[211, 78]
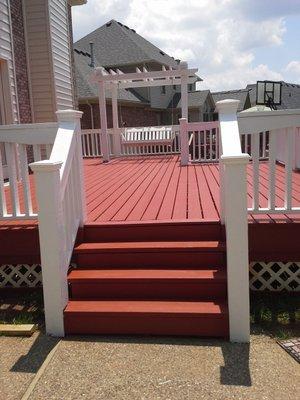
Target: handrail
[61, 203]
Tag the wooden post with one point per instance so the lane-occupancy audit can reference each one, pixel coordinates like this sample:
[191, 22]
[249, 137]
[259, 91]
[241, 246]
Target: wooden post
[55, 289]
[103, 120]
[184, 141]
[184, 89]
[236, 221]
[116, 134]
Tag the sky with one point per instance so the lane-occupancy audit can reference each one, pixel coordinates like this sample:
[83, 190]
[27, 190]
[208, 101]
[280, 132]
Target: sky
[231, 42]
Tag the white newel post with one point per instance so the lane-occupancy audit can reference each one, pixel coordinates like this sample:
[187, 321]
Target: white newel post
[55, 289]
[236, 222]
[115, 120]
[184, 141]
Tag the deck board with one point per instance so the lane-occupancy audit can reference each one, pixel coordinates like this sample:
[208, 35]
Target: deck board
[157, 188]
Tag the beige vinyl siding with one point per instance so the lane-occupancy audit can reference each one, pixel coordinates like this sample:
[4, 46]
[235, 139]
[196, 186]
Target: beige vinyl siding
[39, 60]
[59, 29]
[6, 53]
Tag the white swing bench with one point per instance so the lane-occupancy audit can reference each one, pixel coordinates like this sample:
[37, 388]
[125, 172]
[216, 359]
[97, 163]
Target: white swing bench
[146, 136]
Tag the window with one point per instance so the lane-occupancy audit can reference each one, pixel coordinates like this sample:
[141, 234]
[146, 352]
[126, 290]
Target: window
[190, 87]
[163, 90]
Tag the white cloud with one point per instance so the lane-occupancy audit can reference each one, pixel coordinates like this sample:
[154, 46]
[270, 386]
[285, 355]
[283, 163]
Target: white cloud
[293, 71]
[217, 36]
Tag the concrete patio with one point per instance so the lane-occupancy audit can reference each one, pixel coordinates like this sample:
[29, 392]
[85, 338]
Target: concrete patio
[145, 368]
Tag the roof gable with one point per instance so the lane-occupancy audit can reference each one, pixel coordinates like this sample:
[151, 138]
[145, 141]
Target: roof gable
[195, 99]
[241, 95]
[116, 44]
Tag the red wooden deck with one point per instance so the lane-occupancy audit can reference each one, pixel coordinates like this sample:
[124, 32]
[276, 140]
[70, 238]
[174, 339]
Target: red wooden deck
[154, 189]
[157, 188]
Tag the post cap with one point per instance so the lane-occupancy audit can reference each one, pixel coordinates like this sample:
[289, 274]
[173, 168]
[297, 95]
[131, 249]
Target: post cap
[46, 166]
[240, 159]
[68, 115]
[228, 106]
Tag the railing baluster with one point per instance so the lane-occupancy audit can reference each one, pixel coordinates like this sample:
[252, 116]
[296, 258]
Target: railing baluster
[290, 145]
[25, 179]
[3, 208]
[13, 181]
[255, 170]
[37, 155]
[272, 170]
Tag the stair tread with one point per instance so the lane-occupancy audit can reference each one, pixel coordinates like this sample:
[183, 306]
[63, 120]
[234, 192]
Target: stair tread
[92, 275]
[145, 246]
[130, 307]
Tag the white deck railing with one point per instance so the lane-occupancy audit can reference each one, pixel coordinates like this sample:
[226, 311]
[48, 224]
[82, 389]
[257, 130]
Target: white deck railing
[61, 204]
[203, 141]
[21, 144]
[280, 145]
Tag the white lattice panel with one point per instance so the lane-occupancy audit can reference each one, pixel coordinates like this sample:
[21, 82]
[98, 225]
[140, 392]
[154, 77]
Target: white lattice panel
[275, 276]
[20, 275]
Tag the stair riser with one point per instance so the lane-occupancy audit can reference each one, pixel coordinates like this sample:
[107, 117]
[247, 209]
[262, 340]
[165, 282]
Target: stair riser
[152, 232]
[146, 325]
[150, 290]
[196, 260]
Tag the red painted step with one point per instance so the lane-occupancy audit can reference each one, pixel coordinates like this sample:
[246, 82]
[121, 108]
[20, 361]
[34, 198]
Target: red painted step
[151, 231]
[201, 318]
[148, 283]
[195, 254]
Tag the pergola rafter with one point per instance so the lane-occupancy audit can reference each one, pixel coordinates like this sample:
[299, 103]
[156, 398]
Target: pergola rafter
[114, 79]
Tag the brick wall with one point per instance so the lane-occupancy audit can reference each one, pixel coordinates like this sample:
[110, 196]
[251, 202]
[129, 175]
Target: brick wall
[20, 61]
[131, 116]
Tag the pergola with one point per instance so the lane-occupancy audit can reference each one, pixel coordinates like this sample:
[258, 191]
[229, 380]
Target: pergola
[116, 79]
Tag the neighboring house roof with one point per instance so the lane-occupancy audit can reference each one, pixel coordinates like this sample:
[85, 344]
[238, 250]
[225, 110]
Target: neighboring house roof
[290, 95]
[87, 90]
[116, 44]
[240, 94]
[195, 99]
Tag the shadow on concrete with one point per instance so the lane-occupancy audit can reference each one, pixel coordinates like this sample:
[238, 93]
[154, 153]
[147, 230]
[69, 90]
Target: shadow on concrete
[235, 370]
[32, 361]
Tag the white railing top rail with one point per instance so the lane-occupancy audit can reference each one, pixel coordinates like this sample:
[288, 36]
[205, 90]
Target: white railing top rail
[251, 122]
[40, 133]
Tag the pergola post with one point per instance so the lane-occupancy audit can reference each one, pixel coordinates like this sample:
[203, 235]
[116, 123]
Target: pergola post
[103, 121]
[184, 89]
[184, 136]
[115, 120]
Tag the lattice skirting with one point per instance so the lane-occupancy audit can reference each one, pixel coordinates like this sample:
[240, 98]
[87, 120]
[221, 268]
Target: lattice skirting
[275, 276]
[20, 275]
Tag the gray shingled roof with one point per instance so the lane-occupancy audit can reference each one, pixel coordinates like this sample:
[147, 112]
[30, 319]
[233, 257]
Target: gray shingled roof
[115, 44]
[86, 90]
[240, 94]
[290, 95]
[195, 99]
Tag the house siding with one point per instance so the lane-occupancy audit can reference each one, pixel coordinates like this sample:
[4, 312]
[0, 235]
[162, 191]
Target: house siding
[20, 59]
[7, 53]
[40, 61]
[60, 42]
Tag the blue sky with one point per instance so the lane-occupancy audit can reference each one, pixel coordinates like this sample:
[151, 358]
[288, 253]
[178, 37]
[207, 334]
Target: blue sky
[232, 42]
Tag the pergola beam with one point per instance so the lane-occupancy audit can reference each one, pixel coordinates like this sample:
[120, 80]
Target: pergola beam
[101, 75]
[152, 83]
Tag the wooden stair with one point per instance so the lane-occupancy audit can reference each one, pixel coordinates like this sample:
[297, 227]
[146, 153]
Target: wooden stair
[157, 287]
